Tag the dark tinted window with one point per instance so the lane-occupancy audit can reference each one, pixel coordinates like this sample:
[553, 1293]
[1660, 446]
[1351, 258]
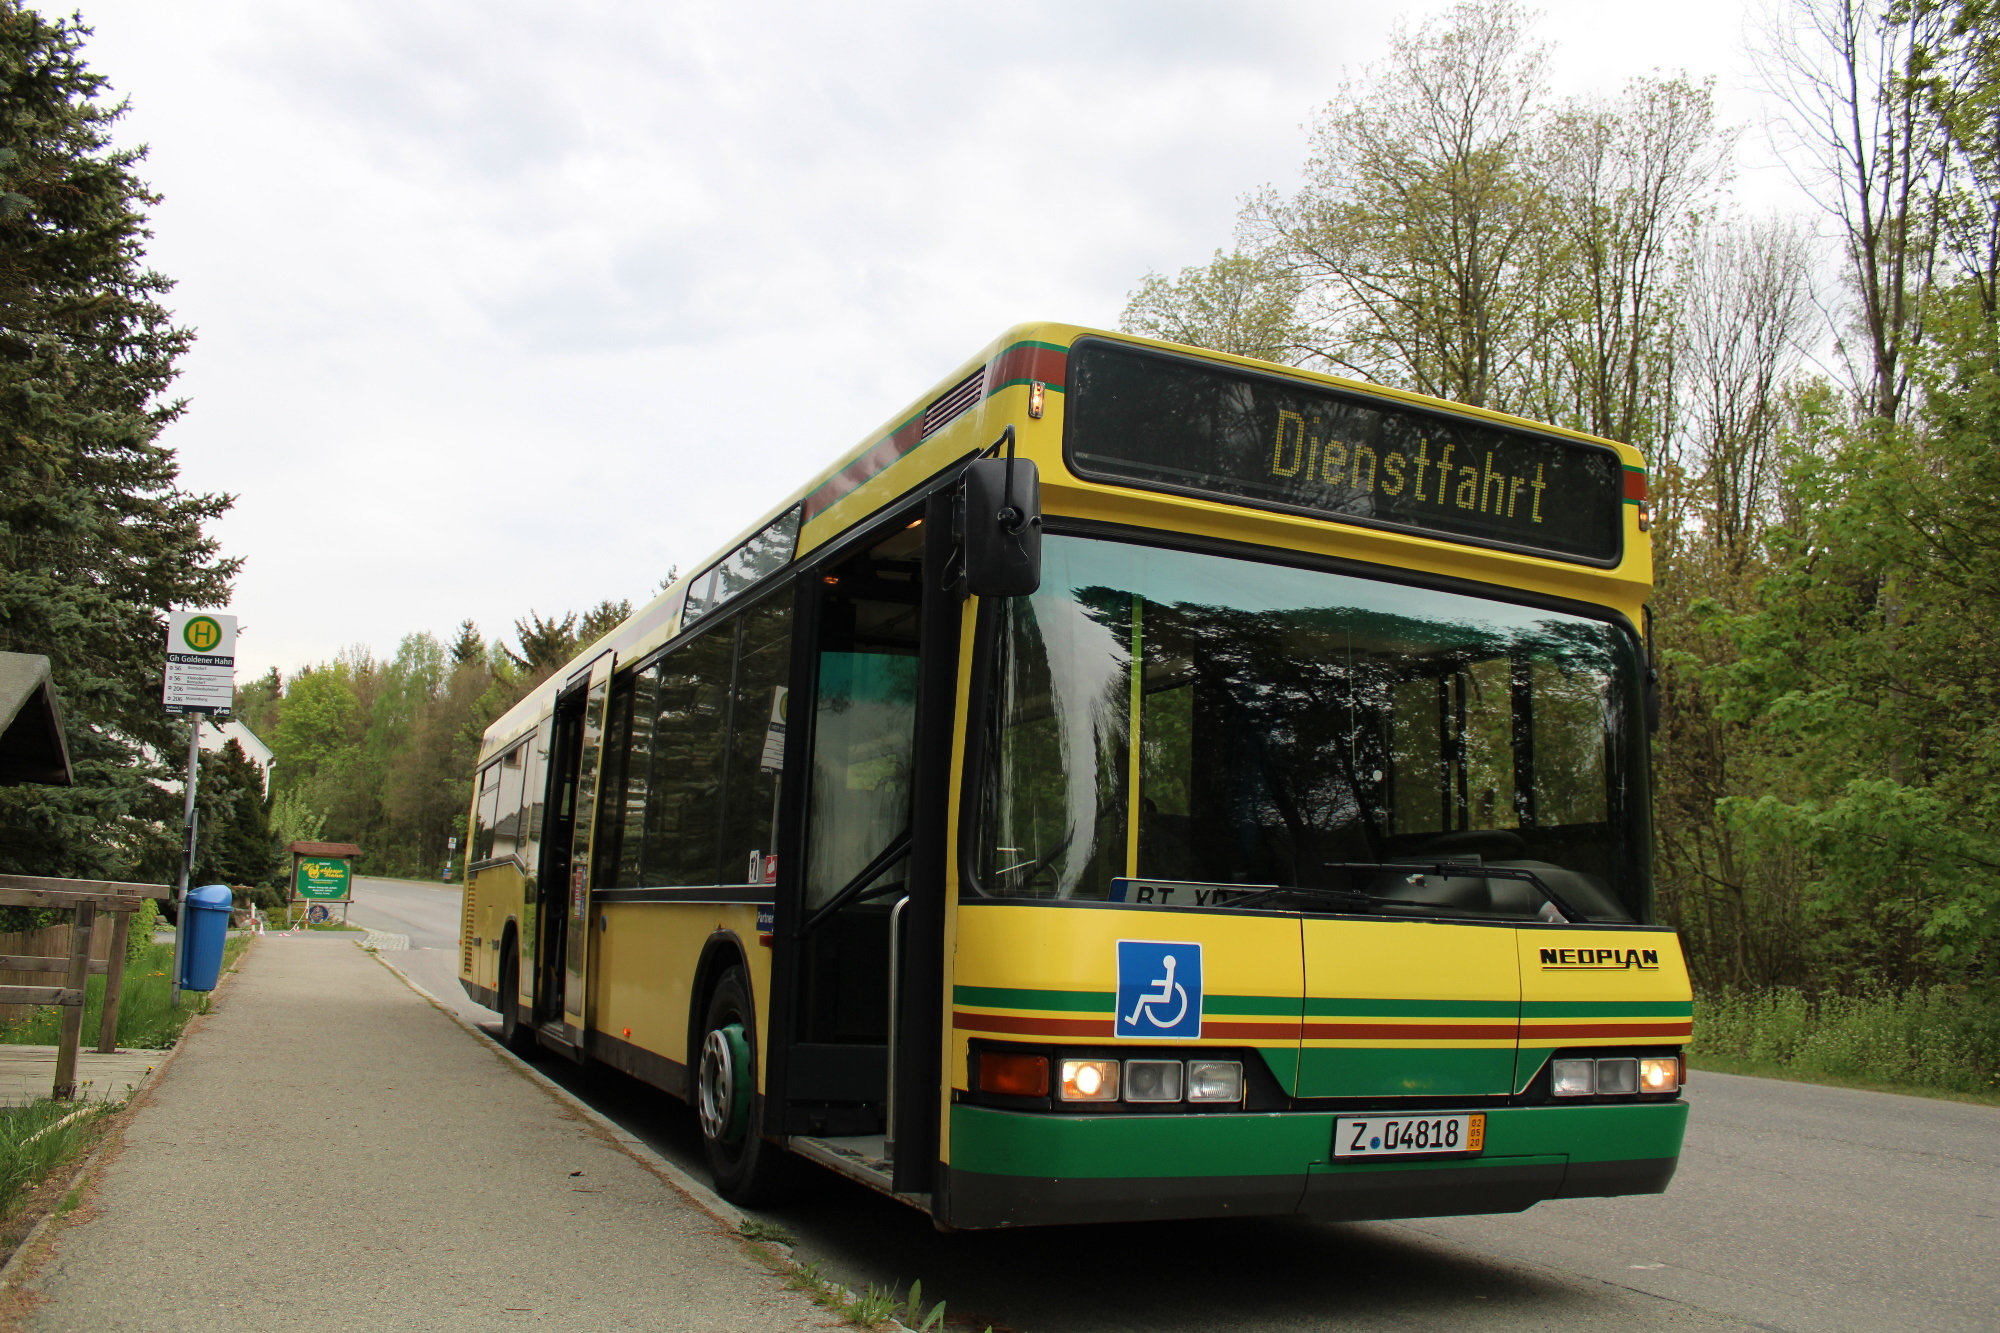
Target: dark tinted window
[684, 802]
[757, 741]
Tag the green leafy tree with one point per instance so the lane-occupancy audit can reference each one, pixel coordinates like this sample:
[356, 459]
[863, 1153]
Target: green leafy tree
[1239, 303]
[97, 539]
[600, 620]
[467, 647]
[545, 644]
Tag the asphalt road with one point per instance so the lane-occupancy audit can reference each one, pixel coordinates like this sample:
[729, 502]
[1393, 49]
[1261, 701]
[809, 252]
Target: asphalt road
[1797, 1208]
[428, 914]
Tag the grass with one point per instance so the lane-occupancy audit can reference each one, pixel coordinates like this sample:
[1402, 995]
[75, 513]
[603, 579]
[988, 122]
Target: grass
[870, 1309]
[1940, 1041]
[147, 1018]
[37, 1140]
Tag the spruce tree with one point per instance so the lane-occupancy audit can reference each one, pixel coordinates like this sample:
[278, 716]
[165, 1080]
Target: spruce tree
[97, 538]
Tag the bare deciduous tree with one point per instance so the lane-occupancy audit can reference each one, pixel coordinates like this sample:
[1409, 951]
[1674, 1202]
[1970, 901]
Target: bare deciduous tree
[1416, 232]
[1864, 142]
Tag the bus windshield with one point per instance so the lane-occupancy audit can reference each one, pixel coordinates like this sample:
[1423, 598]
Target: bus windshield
[1168, 720]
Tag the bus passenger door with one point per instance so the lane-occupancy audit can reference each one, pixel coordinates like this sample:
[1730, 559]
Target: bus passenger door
[858, 779]
[557, 855]
[577, 918]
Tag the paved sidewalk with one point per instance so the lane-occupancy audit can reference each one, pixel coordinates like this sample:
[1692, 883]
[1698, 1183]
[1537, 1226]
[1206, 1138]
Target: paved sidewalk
[331, 1152]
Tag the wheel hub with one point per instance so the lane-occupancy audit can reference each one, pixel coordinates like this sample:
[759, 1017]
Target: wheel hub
[722, 1084]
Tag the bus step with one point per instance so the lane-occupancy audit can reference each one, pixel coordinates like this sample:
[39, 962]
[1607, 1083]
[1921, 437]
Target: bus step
[858, 1157]
[555, 1037]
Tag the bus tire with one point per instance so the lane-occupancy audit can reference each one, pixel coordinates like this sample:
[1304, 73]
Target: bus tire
[515, 1035]
[747, 1168]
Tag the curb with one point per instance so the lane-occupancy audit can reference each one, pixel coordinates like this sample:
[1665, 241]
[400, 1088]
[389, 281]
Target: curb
[696, 1193]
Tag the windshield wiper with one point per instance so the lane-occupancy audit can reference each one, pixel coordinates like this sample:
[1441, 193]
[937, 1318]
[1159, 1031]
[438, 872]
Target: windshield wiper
[1408, 870]
[1461, 870]
[1348, 897]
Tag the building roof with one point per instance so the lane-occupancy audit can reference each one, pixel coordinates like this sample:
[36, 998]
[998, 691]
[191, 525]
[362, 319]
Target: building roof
[32, 748]
[323, 849]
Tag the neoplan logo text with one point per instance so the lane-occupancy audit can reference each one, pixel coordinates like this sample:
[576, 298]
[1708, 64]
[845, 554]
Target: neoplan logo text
[1599, 960]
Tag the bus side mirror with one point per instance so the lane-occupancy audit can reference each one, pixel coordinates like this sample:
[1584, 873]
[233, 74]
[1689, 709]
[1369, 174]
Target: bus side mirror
[1002, 529]
[1651, 696]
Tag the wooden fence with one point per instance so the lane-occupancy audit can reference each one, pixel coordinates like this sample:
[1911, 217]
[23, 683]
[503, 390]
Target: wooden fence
[84, 898]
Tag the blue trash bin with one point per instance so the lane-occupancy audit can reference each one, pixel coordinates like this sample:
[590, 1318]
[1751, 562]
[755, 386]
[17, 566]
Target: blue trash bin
[205, 918]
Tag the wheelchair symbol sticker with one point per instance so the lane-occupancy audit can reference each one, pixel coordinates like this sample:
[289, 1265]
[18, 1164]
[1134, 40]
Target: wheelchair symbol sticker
[1159, 989]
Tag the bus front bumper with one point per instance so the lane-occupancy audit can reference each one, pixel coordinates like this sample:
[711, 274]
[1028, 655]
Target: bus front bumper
[1011, 1168]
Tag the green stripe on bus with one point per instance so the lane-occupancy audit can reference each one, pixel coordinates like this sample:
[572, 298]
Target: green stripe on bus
[1401, 1071]
[1359, 1008]
[1009, 384]
[1099, 1147]
[1008, 997]
[1608, 1009]
[1101, 1002]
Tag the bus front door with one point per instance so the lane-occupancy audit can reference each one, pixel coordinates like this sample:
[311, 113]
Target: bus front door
[857, 817]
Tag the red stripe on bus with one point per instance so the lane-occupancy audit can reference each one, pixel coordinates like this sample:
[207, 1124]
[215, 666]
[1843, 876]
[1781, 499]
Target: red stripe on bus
[1047, 1027]
[886, 451]
[1046, 364]
[1539, 1032]
[1251, 1031]
[1635, 485]
[1410, 1031]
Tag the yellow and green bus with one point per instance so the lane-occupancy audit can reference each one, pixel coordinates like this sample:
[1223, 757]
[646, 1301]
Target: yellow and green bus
[1136, 782]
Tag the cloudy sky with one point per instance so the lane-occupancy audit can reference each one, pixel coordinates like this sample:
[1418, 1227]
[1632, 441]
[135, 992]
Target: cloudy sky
[507, 305]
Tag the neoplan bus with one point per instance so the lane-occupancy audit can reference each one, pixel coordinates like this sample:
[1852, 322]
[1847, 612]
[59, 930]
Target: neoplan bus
[1135, 783]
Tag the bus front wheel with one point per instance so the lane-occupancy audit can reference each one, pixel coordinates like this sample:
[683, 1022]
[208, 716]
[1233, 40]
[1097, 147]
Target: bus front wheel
[746, 1167]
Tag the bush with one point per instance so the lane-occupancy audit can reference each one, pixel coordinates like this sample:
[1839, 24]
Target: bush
[147, 1018]
[1940, 1037]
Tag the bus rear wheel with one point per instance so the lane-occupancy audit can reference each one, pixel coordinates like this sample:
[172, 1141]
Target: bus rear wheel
[746, 1167]
[515, 1035]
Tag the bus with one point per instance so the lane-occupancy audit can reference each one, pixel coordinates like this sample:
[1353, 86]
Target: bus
[1134, 783]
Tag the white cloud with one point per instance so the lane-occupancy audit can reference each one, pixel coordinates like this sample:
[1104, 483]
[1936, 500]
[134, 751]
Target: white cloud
[507, 304]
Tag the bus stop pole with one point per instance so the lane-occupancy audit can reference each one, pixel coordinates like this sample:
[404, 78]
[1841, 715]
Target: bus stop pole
[187, 857]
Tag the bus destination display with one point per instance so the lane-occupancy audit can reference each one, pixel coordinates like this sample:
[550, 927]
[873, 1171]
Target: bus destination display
[1144, 418]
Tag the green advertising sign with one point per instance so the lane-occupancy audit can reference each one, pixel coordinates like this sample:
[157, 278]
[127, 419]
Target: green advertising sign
[323, 878]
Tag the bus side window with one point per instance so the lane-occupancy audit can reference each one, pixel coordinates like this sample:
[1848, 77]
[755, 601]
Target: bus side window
[628, 810]
[684, 799]
[487, 811]
[613, 772]
[756, 741]
[507, 806]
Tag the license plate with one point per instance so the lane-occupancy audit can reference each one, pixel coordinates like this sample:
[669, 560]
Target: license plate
[1408, 1135]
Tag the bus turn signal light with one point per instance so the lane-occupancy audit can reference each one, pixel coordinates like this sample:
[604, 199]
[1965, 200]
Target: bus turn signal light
[1090, 1080]
[1660, 1074]
[1014, 1075]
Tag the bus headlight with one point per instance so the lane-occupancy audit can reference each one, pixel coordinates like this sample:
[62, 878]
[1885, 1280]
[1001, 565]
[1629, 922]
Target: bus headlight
[1089, 1081]
[1152, 1080]
[1214, 1081]
[1573, 1078]
[1617, 1078]
[1660, 1074]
